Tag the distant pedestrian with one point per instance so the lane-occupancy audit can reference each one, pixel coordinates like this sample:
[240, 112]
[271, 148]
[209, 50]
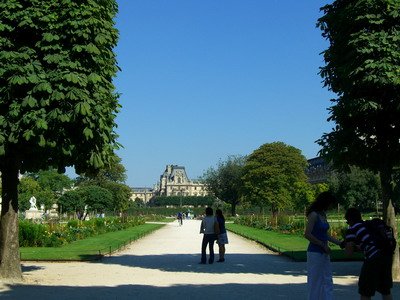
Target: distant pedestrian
[180, 218]
[319, 270]
[376, 271]
[208, 225]
[222, 236]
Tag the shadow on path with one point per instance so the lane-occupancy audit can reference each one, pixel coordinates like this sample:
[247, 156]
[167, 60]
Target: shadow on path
[192, 291]
[235, 263]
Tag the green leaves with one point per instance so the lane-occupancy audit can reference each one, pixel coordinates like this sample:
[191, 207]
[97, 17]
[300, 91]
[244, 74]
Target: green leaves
[49, 37]
[362, 66]
[271, 174]
[83, 108]
[56, 91]
[29, 101]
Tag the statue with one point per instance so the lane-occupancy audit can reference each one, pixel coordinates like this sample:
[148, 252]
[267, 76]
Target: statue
[32, 201]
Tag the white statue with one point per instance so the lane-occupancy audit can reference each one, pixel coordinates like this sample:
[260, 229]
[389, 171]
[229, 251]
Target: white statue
[32, 201]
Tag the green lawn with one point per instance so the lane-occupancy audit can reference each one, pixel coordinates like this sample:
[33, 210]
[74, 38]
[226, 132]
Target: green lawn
[291, 245]
[90, 248]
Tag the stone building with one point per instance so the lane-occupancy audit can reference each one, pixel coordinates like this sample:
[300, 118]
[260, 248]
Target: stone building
[143, 193]
[318, 170]
[173, 182]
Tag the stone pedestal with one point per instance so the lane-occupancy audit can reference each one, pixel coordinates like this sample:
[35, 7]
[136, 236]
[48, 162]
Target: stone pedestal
[53, 213]
[33, 214]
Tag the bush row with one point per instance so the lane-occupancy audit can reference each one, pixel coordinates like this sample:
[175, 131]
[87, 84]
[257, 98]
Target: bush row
[162, 201]
[284, 223]
[55, 234]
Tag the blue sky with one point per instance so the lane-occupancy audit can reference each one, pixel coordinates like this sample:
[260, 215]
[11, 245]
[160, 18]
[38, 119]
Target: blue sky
[205, 79]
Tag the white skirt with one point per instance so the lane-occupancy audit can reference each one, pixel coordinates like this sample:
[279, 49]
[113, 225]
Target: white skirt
[222, 239]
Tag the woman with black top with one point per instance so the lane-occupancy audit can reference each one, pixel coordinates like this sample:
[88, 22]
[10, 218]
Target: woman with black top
[222, 236]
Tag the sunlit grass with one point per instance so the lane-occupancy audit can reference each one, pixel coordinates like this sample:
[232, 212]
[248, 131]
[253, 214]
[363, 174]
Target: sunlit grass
[292, 245]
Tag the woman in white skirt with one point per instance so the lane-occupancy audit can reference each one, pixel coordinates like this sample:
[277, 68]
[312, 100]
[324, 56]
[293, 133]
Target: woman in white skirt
[319, 270]
[222, 236]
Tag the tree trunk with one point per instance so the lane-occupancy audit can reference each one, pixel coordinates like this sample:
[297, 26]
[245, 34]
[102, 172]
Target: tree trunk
[10, 265]
[390, 218]
[233, 209]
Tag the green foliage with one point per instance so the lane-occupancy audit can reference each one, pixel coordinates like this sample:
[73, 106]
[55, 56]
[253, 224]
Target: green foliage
[121, 194]
[110, 177]
[178, 201]
[52, 180]
[291, 245]
[282, 223]
[156, 212]
[31, 234]
[357, 188]
[55, 235]
[113, 171]
[57, 99]
[271, 175]
[27, 188]
[46, 186]
[71, 201]
[56, 66]
[96, 198]
[225, 181]
[91, 248]
[362, 67]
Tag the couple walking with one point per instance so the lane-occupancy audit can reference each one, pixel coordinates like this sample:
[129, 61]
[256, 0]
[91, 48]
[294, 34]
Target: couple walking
[213, 229]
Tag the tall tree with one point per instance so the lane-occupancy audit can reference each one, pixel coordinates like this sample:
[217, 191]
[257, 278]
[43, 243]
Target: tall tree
[112, 177]
[362, 67]
[57, 100]
[271, 175]
[113, 171]
[53, 181]
[357, 188]
[225, 181]
[72, 202]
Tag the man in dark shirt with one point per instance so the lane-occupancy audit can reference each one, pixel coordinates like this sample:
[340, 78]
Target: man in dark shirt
[376, 271]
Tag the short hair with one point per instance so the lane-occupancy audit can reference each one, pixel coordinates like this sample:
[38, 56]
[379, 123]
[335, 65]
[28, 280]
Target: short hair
[209, 211]
[353, 214]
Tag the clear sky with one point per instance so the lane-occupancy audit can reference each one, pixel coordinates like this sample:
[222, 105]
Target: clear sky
[205, 79]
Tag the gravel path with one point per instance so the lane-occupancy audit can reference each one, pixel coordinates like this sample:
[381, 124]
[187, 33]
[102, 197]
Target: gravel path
[164, 265]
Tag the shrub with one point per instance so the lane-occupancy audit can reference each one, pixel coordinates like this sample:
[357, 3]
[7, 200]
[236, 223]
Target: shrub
[55, 235]
[31, 234]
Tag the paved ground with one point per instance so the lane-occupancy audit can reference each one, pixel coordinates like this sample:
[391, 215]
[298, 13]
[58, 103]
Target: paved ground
[164, 265]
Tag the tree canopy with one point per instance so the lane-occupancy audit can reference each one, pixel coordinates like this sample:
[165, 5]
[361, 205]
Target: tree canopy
[225, 181]
[57, 100]
[357, 188]
[271, 175]
[110, 177]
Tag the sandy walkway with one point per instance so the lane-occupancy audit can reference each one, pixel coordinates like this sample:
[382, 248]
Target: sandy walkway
[164, 265]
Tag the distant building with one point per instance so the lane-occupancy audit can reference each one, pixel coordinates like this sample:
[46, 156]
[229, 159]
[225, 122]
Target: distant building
[318, 170]
[173, 182]
[143, 193]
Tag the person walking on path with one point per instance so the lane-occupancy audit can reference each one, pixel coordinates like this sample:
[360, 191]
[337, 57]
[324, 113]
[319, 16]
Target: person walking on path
[319, 270]
[376, 271]
[222, 236]
[207, 227]
[180, 218]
